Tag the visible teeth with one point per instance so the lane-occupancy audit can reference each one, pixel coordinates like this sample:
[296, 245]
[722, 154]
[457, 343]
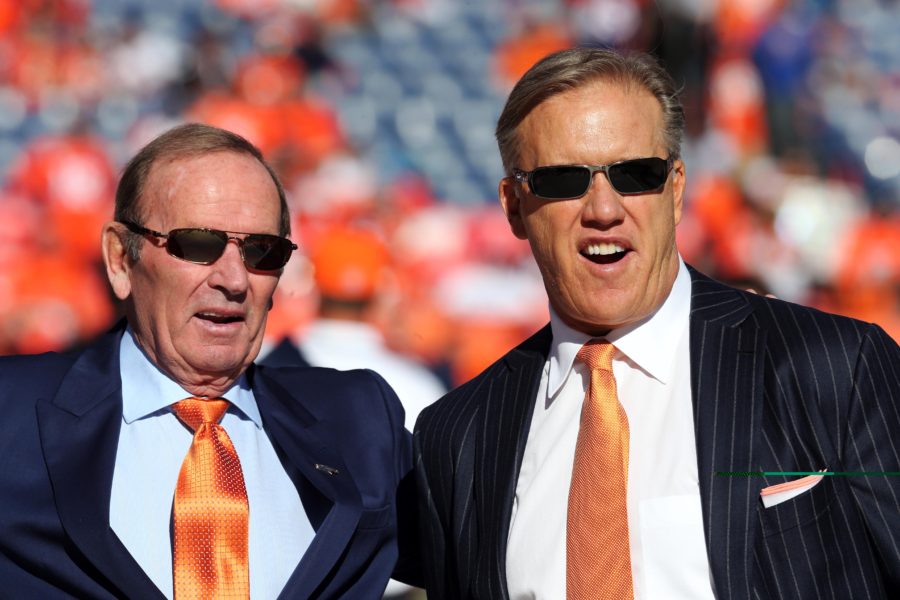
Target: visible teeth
[603, 249]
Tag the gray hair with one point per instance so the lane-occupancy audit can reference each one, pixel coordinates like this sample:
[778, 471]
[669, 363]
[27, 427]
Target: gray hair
[184, 141]
[574, 68]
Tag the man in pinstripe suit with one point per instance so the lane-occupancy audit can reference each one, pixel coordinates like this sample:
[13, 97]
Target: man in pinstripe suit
[721, 388]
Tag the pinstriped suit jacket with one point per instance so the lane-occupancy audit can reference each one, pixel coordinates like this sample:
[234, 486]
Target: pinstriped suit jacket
[776, 387]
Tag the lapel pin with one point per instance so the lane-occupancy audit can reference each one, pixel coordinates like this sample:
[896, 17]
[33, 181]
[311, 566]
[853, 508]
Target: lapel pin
[327, 469]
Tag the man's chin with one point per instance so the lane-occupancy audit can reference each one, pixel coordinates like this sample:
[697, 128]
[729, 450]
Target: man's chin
[222, 362]
[598, 320]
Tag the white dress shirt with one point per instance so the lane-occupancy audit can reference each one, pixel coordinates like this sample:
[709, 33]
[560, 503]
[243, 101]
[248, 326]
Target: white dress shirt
[652, 370]
[152, 446]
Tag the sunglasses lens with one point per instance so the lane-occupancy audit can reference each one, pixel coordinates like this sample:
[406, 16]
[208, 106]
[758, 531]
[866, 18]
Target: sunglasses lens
[196, 245]
[567, 181]
[266, 252]
[638, 176]
[261, 252]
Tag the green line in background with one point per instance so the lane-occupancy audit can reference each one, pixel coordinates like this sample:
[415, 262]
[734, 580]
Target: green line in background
[794, 473]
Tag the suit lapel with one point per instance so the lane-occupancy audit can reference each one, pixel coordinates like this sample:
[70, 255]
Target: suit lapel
[303, 440]
[499, 449]
[79, 431]
[727, 351]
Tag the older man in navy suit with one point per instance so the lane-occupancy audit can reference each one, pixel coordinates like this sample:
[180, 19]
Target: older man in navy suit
[665, 436]
[160, 461]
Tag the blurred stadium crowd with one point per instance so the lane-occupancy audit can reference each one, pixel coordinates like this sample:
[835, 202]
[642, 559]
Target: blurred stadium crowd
[379, 115]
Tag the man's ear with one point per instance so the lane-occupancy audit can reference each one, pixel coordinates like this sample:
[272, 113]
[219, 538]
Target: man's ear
[115, 258]
[509, 198]
[678, 183]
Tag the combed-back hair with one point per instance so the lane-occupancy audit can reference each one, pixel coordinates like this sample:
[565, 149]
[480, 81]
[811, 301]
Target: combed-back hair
[575, 68]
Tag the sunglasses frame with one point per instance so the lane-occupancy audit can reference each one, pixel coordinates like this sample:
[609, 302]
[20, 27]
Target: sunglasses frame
[526, 176]
[229, 235]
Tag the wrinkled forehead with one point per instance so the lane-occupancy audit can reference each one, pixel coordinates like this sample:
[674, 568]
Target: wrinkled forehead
[188, 182]
[617, 121]
[592, 92]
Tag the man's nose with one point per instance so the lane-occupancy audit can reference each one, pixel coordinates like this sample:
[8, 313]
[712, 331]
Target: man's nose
[602, 203]
[228, 272]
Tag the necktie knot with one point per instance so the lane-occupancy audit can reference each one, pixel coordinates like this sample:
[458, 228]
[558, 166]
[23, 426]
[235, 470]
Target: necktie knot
[194, 412]
[597, 354]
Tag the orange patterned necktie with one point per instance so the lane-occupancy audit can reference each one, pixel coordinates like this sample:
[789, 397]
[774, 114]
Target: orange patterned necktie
[210, 512]
[598, 554]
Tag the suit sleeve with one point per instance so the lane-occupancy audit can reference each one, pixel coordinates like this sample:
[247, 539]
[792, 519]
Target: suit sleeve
[872, 444]
[408, 568]
[432, 536]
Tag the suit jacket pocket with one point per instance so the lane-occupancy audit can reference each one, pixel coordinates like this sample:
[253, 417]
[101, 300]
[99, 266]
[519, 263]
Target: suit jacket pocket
[776, 494]
[376, 518]
[798, 511]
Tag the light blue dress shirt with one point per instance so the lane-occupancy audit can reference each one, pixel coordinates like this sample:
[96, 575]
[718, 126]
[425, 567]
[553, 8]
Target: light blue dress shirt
[152, 446]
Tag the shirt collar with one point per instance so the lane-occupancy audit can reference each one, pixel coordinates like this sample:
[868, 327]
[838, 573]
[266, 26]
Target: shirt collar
[649, 343]
[147, 390]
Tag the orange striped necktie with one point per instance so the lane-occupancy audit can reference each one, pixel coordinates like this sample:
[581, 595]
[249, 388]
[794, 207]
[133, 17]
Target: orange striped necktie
[598, 553]
[210, 512]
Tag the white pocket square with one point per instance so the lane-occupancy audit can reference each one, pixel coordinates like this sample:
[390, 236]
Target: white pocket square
[776, 494]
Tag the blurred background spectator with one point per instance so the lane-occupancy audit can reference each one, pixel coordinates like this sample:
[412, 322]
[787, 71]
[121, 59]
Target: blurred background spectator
[351, 269]
[380, 114]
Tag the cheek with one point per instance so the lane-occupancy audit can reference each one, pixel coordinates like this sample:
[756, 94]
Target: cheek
[545, 254]
[548, 228]
[174, 308]
[656, 226]
[263, 290]
[149, 303]
[665, 228]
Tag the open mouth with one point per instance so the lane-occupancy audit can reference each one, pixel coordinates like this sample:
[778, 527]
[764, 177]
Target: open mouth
[219, 319]
[604, 253]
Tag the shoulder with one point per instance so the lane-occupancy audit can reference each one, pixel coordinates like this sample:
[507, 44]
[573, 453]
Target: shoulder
[342, 383]
[354, 413]
[333, 395]
[792, 329]
[33, 375]
[24, 380]
[510, 376]
[36, 364]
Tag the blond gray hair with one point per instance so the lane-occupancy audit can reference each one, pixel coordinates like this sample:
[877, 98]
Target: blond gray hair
[576, 67]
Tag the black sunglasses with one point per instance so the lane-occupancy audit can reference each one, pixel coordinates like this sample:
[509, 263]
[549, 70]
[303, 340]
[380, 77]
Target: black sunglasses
[566, 182]
[259, 251]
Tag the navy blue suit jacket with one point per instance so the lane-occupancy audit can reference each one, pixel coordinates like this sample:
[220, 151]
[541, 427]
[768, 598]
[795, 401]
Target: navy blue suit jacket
[284, 354]
[775, 387]
[60, 417]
